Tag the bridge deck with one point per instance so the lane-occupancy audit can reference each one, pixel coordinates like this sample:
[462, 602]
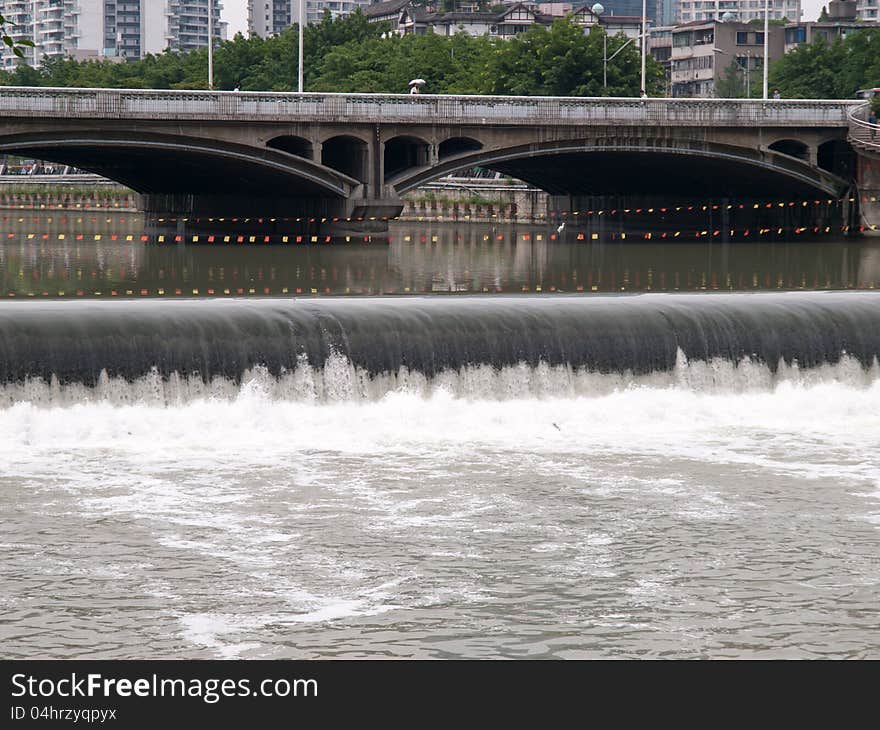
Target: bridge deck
[127, 104]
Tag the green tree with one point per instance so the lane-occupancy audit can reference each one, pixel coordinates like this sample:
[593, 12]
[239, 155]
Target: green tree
[823, 70]
[351, 55]
[731, 85]
[810, 71]
[563, 61]
[15, 45]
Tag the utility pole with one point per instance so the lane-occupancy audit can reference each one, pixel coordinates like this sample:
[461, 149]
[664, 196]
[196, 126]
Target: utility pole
[210, 45]
[645, 42]
[299, 84]
[766, 43]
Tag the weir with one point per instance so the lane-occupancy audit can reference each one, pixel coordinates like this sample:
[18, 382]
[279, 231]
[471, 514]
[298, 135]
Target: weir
[368, 347]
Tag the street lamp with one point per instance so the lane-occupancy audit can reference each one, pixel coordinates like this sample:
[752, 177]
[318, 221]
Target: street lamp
[744, 70]
[644, 45]
[210, 45]
[300, 49]
[597, 10]
[766, 42]
[729, 17]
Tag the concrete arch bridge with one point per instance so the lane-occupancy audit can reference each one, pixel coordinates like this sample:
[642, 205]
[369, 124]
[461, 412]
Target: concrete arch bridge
[351, 156]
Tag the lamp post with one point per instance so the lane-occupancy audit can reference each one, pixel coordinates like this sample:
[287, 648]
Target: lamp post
[597, 10]
[766, 42]
[36, 46]
[729, 17]
[745, 70]
[210, 45]
[644, 45]
[299, 75]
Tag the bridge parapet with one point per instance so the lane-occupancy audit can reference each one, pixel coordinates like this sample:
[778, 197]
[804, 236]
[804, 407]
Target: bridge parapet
[424, 109]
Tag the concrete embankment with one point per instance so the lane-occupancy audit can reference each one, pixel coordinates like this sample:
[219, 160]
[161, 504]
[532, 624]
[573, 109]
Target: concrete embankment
[464, 199]
[64, 192]
[475, 200]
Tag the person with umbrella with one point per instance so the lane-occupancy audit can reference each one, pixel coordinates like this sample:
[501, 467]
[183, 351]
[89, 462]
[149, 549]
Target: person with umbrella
[415, 86]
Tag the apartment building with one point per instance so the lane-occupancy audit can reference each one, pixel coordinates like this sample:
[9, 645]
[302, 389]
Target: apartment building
[703, 50]
[868, 10]
[842, 20]
[740, 10]
[126, 29]
[58, 28]
[270, 17]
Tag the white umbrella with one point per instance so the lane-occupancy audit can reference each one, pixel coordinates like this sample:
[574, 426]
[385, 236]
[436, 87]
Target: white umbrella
[417, 82]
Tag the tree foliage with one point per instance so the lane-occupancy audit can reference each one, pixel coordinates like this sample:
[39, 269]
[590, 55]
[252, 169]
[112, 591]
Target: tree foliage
[15, 45]
[352, 55]
[835, 70]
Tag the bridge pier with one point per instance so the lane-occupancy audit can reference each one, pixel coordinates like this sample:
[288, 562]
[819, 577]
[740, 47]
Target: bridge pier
[869, 192]
[352, 214]
[654, 216]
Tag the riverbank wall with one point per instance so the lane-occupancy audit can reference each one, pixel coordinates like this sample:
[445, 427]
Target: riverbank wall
[475, 200]
[71, 192]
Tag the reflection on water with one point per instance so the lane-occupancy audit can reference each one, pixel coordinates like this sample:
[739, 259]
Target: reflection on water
[53, 255]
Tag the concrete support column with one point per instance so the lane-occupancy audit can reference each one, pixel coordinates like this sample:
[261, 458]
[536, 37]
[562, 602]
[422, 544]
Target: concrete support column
[376, 167]
[433, 154]
[317, 149]
[869, 187]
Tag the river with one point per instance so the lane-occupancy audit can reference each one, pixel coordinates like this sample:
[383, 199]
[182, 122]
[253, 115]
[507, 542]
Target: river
[463, 442]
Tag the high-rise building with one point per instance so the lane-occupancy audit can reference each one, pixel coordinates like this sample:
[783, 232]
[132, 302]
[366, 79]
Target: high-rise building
[741, 11]
[127, 29]
[868, 9]
[188, 23]
[270, 17]
[53, 25]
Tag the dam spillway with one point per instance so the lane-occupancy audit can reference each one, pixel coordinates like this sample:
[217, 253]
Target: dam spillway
[363, 348]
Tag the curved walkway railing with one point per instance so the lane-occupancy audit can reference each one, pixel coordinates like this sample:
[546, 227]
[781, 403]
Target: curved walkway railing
[18, 102]
[861, 133]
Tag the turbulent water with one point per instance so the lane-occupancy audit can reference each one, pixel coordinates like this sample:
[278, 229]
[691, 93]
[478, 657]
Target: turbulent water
[648, 476]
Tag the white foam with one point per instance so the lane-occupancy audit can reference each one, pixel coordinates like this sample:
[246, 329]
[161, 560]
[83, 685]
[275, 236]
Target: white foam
[339, 381]
[821, 423]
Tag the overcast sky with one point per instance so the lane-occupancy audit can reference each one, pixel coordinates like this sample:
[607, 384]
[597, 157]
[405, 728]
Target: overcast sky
[235, 13]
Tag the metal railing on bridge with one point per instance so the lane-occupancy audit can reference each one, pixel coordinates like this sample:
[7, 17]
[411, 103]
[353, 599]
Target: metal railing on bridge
[17, 102]
[861, 132]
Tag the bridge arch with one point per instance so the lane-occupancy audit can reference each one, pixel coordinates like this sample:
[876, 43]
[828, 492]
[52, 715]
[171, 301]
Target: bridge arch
[836, 156]
[405, 152]
[159, 163]
[299, 146]
[347, 154]
[792, 148]
[633, 165]
[457, 145]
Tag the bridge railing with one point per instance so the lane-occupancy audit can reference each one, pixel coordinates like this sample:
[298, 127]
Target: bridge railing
[861, 132]
[429, 109]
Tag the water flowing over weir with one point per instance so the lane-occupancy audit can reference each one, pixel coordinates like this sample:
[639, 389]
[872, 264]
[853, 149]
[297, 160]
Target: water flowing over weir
[340, 349]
